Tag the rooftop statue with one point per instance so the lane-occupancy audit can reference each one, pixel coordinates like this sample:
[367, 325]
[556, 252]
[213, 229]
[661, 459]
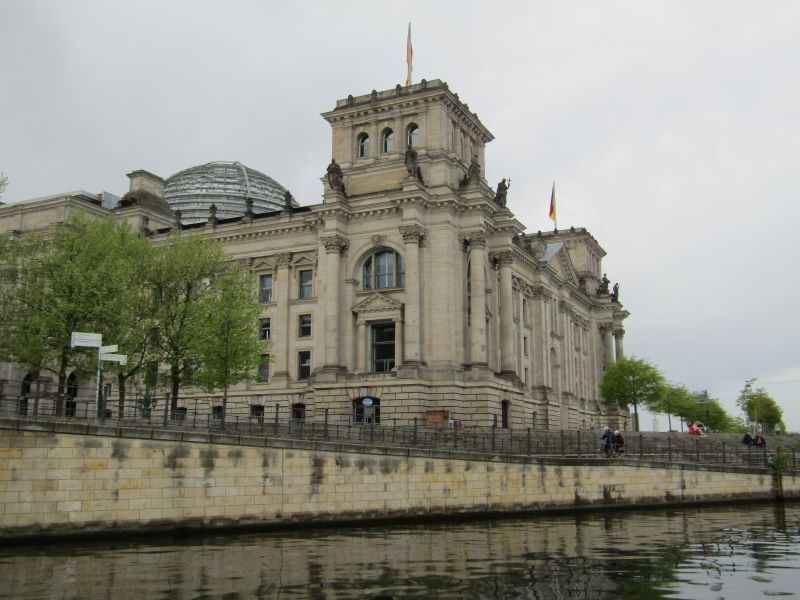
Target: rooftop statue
[502, 192]
[473, 173]
[335, 177]
[411, 165]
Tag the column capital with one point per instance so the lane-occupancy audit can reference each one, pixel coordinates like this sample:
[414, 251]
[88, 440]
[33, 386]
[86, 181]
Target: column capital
[475, 239]
[334, 244]
[282, 259]
[504, 258]
[412, 233]
[619, 332]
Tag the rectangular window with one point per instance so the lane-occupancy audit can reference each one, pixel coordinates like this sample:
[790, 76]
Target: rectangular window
[304, 364]
[526, 375]
[383, 347]
[525, 311]
[265, 328]
[257, 413]
[525, 345]
[263, 368]
[265, 287]
[306, 285]
[216, 413]
[304, 326]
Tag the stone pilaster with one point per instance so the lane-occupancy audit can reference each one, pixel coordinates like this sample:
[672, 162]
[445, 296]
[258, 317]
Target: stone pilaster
[334, 245]
[281, 326]
[412, 235]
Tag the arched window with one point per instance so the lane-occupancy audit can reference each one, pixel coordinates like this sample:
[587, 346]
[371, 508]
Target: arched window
[367, 410]
[412, 136]
[384, 269]
[363, 145]
[387, 141]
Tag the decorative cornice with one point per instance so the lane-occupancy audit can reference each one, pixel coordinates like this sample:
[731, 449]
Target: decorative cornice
[334, 244]
[412, 233]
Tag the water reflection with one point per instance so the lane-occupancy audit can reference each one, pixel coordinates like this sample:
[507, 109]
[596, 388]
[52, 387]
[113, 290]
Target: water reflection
[749, 551]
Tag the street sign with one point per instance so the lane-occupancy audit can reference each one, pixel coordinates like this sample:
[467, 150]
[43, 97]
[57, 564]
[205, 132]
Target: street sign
[120, 358]
[86, 340]
[106, 349]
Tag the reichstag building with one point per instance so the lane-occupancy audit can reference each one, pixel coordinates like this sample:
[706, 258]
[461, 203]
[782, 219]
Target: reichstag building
[411, 284]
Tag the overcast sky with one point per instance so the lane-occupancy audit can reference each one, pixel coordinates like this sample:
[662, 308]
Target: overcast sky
[671, 130]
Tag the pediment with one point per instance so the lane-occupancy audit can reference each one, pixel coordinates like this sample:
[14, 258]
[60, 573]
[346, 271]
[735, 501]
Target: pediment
[304, 259]
[264, 264]
[377, 303]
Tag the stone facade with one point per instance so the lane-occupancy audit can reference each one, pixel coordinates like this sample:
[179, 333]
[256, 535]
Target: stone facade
[411, 283]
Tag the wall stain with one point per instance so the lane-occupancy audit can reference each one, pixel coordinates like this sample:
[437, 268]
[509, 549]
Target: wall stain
[342, 462]
[429, 467]
[448, 467]
[119, 450]
[236, 455]
[362, 464]
[208, 457]
[174, 455]
[317, 470]
[268, 458]
[389, 465]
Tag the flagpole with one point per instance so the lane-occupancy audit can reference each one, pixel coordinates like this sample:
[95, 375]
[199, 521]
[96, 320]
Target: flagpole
[409, 56]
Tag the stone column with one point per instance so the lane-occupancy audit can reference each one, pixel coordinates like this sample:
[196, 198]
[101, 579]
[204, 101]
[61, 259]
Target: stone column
[507, 362]
[334, 245]
[412, 235]
[281, 325]
[619, 333]
[477, 328]
[608, 344]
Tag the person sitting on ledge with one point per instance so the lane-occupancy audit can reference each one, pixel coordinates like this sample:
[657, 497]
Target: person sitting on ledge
[748, 439]
[618, 442]
[759, 442]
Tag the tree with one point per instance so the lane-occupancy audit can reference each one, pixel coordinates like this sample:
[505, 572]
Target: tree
[632, 381]
[759, 407]
[671, 400]
[183, 274]
[224, 337]
[77, 278]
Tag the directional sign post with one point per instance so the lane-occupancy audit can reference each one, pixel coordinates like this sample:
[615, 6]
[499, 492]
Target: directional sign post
[120, 358]
[86, 340]
[80, 339]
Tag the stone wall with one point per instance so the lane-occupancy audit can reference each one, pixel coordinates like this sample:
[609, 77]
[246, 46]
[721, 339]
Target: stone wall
[60, 482]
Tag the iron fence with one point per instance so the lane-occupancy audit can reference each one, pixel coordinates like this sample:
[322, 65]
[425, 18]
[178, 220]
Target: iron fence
[242, 419]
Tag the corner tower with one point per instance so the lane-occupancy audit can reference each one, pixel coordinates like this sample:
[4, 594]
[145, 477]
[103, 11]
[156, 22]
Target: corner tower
[372, 134]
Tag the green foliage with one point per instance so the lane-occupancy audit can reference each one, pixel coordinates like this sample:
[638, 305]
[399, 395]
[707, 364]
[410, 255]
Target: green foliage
[632, 381]
[224, 338]
[78, 278]
[759, 407]
[778, 461]
[184, 271]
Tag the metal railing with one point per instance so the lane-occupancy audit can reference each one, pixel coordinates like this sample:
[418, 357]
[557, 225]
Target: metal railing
[257, 419]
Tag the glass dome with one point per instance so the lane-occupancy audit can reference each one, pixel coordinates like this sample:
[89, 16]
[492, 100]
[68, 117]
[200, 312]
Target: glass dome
[226, 184]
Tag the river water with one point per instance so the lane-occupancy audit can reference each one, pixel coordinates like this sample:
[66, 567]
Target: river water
[743, 551]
